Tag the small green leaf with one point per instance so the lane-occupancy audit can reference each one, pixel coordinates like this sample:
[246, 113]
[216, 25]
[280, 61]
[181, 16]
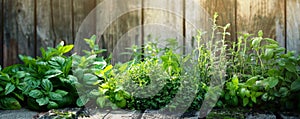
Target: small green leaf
[55, 96]
[235, 80]
[20, 74]
[52, 73]
[90, 79]
[295, 86]
[61, 92]
[101, 101]
[67, 48]
[245, 101]
[253, 99]
[52, 105]
[1, 89]
[42, 101]
[81, 101]
[251, 81]
[272, 82]
[9, 88]
[47, 85]
[119, 96]
[36, 94]
[260, 33]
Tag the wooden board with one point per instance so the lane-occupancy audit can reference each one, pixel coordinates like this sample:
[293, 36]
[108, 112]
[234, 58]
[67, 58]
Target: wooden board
[1, 32]
[164, 20]
[265, 15]
[199, 16]
[54, 22]
[120, 19]
[18, 30]
[293, 25]
[84, 22]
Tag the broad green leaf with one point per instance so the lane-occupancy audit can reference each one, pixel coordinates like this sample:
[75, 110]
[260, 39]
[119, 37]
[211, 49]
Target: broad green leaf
[20, 74]
[90, 79]
[253, 98]
[36, 94]
[235, 80]
[295, 86]
[251, 81]
[82, 100]
[243, 92]
[119, 96]
[269, 53]
[61, 92]
[9, 88]
[47, 85]
[272, 82]
[4, 77]
[256, 42]
[245, 101]
[52, 73]
[42, 101]
[283, 91]
[235, 100]
[67, 48]
[290, 67]
[55, 96]
[121, 103]
[109, 67]
[260, 33]
[1, 89]
[101, 101]
[52, 105]
[9, 103]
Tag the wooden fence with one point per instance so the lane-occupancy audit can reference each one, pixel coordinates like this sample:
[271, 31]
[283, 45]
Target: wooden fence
[27, 25]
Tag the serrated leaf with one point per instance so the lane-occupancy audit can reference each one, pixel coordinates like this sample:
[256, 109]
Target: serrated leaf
[42, 101]
[36, 94]
[9, 88]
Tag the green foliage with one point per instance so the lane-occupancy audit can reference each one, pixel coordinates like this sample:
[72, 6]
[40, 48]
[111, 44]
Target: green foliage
[264, 71]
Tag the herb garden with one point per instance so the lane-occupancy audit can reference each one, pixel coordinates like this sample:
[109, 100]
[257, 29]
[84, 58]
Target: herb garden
[258, 74]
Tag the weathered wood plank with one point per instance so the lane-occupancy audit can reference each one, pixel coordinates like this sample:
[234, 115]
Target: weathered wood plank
[265, 15]
[293, 26]
[54, 22]
[1, 32]
[84, 25]
[120, 20]
[226, 11]
[164, 20]
[45, 35]
[18, 30]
